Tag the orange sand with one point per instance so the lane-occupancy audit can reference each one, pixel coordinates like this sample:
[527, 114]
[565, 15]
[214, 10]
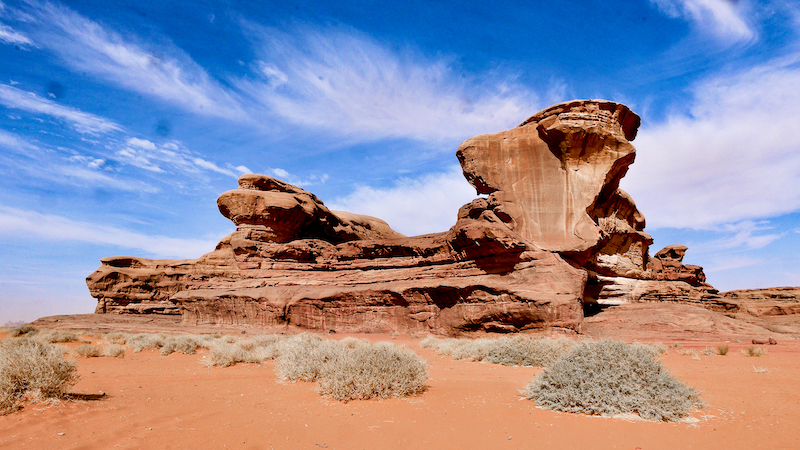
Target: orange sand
[153, 401]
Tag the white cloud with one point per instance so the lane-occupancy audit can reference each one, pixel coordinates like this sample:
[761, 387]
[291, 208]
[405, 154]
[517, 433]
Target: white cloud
[81, 121]
[154, 157]
[347, 83]
[167, 73]
[413, 206]
[23, 224]
[309, 180]
[13, 142]
[723, 18]
[734, 156]
[13, 37]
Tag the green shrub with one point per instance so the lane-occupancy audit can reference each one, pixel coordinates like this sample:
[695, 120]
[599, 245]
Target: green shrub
[23, 330]
[32, 369]
[114, 351]
[364, 371]
[611, 377]
[87, 351]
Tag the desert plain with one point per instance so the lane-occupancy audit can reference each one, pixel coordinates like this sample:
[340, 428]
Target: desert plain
[145, 400]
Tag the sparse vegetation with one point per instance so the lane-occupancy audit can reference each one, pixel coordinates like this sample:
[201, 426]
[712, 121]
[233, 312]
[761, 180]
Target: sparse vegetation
[303, 356]
[760, 369]
[87, 351]
[145, 341]
[32, 369]
[117, 338]
[509, 351]
[367, 371]
[114, 351]
[609, 378]
[225, 354]
[723, 349]
[54, 336]
[182, 343]
[754, 351]
[23, 330]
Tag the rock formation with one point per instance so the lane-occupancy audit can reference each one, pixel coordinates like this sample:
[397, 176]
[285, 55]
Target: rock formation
[553, 234]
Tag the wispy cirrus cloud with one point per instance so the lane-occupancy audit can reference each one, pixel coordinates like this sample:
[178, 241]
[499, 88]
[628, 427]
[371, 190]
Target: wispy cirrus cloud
[154, 157]
[169, 74]
[10, 36]
[31, 224]
[733, 155]
[83, 122]
[345, 82]
[725, 19]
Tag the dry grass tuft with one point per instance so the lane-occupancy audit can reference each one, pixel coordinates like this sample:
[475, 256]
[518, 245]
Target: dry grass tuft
[145, 341]
[87, 351]
[224, 354]
[23, 330]
[508, 351]
[54, 336]
[31, 369]
[754, 351]
[723, 349]
[609, 378]
[114, 351]
[117, 338]
[182, 343]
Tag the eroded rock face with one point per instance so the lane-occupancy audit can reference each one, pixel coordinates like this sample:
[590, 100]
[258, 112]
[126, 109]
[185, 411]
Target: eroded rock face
[555, 232]
[550, 176]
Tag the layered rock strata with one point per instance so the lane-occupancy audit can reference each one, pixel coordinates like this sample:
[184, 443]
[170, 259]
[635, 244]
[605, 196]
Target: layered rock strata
[553, 233]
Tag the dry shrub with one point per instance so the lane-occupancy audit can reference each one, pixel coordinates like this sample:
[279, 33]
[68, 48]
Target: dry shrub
[508, 351]
[754, 351]
[611, 377]
[364, 371]
[723, 349]
[303, 356]
[225, 354]
[23, 330]
[54, 336]
[117, 338]
[145, 341]
[114, 351]
[265, 346]
[32, 369]
[87, 351]
[182, 343]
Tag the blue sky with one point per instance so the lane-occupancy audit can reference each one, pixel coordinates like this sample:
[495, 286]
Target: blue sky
[121, 122]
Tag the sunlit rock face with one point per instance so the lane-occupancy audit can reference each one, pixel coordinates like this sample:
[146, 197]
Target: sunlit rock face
[553, 233]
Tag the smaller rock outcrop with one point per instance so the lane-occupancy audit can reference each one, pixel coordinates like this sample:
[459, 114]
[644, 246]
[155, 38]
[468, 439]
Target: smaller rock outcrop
[777, 301]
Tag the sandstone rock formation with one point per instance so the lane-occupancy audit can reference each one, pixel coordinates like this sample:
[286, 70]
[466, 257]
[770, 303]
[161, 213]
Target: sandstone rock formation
[553, 234]
[777, 301]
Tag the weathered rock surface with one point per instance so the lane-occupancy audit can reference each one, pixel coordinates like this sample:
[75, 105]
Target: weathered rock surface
[554, 233]
[777, 301]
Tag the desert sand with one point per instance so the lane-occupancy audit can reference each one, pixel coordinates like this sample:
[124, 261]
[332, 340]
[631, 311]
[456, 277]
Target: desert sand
[146, 400]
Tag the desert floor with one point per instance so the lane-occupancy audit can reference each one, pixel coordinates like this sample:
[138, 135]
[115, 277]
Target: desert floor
[154, 401]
